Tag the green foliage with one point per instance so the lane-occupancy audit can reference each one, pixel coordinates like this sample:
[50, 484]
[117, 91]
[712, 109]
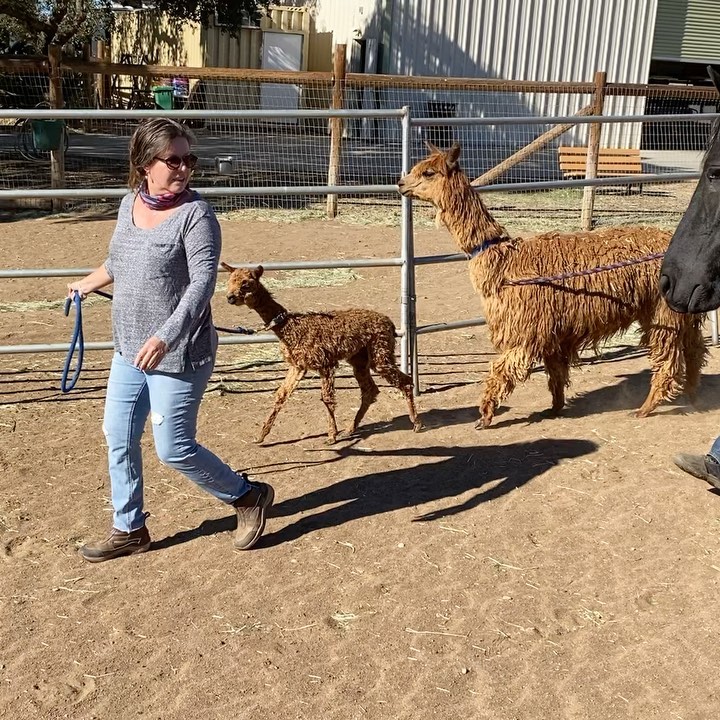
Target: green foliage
[41, 23]
[231, 13]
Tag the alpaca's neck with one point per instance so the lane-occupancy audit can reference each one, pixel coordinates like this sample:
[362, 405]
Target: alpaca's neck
[266, 306]
[465, 215]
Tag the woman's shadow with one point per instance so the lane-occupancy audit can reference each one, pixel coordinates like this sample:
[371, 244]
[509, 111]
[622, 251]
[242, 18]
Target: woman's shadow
[487, 471]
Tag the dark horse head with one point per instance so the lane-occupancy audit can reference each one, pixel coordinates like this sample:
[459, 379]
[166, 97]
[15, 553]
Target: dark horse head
[690, 273]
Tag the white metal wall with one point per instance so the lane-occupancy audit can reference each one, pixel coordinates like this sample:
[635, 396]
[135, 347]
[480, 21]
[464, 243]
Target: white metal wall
[345, 19]
[546, 40]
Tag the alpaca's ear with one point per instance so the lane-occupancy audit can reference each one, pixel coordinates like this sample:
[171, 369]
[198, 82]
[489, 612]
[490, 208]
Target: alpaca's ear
[452, 156]
[432, 148]
[227, 267]
[257, 272]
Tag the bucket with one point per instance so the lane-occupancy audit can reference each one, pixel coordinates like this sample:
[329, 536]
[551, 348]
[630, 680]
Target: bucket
[224, 164]
[47, 134]
[163, 95]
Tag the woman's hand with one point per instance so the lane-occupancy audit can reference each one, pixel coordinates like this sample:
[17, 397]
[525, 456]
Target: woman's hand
[78, 288]
[151, 353]
[97, 279]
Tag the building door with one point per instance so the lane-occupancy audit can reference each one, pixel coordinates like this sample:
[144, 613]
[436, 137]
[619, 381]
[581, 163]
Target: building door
[281, 51]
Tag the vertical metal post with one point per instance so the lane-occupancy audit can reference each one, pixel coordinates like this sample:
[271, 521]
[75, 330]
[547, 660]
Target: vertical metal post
[407, 255]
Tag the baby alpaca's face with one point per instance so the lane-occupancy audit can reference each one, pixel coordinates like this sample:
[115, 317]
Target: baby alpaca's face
[242, 285]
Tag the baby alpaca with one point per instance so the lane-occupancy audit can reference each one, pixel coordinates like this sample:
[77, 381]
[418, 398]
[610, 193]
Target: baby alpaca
[318, 341]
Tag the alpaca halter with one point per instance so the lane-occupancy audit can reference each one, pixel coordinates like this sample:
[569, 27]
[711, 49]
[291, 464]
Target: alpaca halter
[486, 244]
[166, 200]
[277, 320]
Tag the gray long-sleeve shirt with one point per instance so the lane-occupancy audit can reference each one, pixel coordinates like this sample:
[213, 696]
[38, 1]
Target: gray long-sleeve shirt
[163, 280]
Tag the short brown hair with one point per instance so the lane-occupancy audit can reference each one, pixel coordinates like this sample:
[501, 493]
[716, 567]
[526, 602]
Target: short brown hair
[152, 137]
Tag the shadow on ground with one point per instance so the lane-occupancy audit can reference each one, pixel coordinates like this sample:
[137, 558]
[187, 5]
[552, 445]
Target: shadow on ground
[485, 472]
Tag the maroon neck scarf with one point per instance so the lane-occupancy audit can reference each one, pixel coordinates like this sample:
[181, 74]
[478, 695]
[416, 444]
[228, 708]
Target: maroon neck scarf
[166, 200]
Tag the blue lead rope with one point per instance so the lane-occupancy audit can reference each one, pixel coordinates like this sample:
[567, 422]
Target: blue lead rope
[77, 341]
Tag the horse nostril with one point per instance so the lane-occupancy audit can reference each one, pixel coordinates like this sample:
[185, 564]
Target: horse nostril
[665, 284]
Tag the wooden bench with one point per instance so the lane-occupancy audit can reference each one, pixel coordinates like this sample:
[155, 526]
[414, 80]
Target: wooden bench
[611, 162]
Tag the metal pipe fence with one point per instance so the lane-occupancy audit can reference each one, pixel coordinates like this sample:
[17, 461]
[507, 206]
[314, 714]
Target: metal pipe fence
[406, 261]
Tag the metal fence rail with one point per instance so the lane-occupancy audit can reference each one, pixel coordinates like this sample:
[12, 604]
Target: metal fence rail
[406, 261]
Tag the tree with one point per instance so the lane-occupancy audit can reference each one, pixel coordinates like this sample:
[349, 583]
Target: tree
[232, 13]
[57, 22]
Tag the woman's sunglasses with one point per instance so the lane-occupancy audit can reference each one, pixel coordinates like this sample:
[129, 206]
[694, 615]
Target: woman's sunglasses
[174, 162]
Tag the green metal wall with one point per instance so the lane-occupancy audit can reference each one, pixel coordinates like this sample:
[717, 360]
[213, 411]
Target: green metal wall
[687, 30]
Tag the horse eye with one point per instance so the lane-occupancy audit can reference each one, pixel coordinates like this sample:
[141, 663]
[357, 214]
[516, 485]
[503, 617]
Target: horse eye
[428, 173]
[713, 173]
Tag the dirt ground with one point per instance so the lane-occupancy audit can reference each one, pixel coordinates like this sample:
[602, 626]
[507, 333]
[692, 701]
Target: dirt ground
[542, 568]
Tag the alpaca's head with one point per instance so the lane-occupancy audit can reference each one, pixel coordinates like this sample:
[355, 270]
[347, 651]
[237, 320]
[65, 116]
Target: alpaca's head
[243, 285]
[429, 179]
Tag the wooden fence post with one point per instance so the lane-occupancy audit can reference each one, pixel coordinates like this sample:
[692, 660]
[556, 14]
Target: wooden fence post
[57, 157]
[588, 202]
[336, 126]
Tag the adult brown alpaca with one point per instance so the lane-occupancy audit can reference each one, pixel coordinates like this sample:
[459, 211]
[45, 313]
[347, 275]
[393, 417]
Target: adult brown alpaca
[318, 341]
[553, 322]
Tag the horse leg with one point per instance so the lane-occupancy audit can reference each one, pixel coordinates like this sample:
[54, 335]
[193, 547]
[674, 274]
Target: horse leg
[511, 368]
[557, 368]
[327, 389]
[286, 389]
[695, 354]
[369, 391]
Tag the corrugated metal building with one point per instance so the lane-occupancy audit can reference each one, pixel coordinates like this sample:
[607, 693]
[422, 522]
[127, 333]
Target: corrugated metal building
[686, 31]
[633, 41]
[526, 39]
[545, 40]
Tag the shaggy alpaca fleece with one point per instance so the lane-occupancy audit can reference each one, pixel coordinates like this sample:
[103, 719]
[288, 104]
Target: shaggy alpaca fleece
[318, 341]
[553, 323]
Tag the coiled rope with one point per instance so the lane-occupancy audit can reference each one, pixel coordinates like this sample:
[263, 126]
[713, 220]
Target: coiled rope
[77, 342]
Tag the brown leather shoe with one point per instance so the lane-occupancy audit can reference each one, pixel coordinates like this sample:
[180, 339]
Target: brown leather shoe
[116, 544]
[702, 467]
[251, 509]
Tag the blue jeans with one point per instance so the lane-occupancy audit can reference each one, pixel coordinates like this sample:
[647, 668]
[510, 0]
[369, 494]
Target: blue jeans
[714, 452]
[172, 400]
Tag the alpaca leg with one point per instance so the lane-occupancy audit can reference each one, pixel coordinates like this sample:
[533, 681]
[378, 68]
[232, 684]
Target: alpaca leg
[327, 386]
[558, 371]
[384, 364]
[695, 354]
[291, 381]
[369, 390]
[665, 343]
[511, 368]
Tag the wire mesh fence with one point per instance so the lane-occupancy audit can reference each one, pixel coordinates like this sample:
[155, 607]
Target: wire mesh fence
[293, 151]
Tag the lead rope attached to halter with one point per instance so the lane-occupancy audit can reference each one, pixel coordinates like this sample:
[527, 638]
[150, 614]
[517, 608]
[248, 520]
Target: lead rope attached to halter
[77, 342]
[582, 273]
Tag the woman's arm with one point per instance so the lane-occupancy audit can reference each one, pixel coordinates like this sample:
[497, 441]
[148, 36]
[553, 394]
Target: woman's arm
[97, 279]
